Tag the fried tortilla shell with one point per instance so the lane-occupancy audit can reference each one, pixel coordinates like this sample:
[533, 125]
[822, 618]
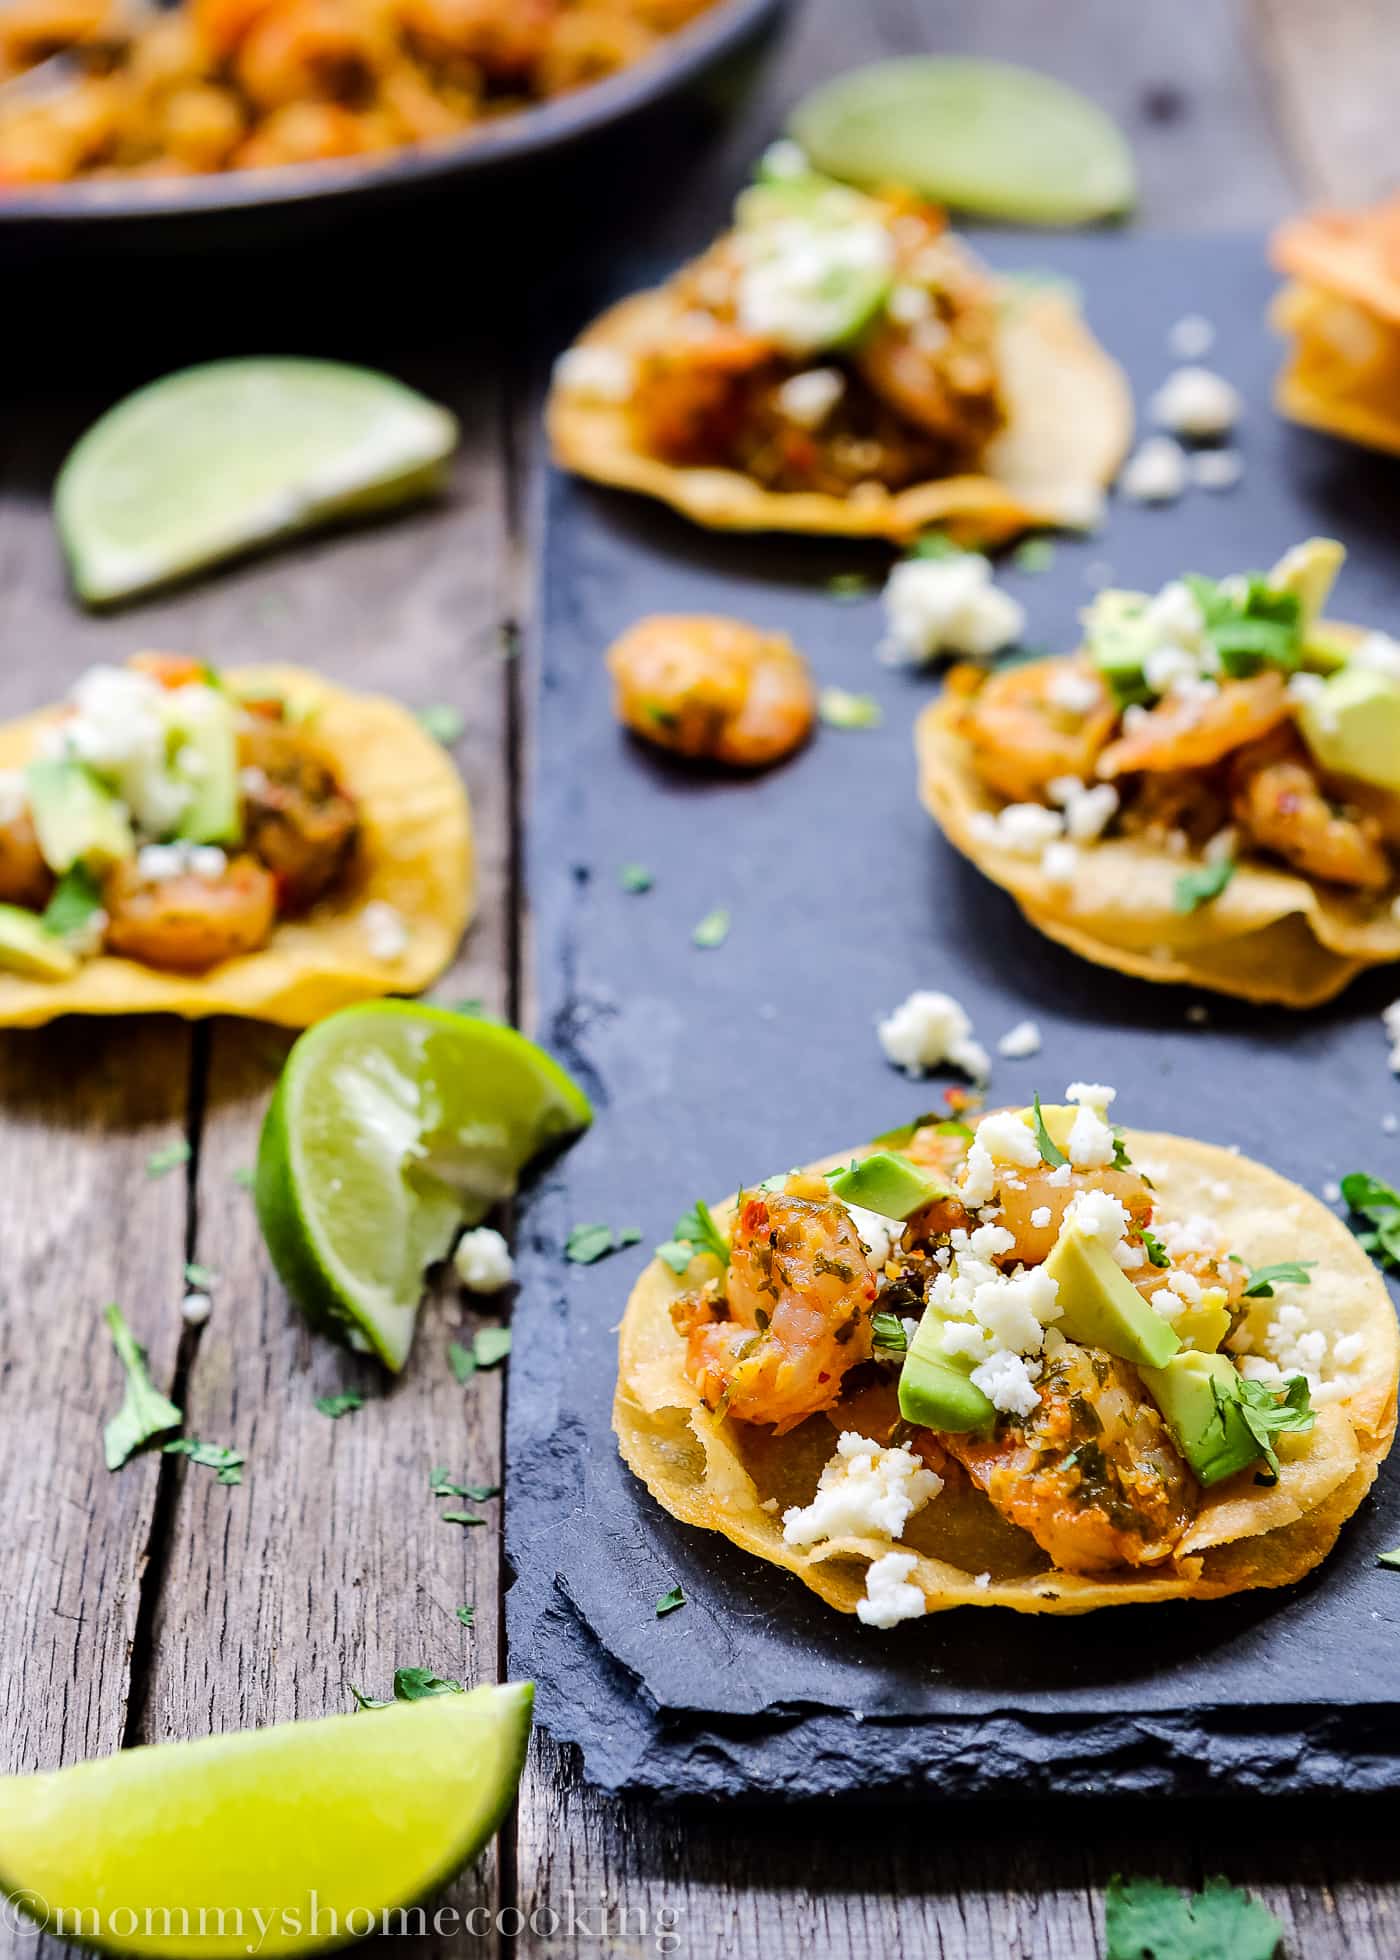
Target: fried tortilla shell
[1342, 313]
[1069, 423]
[414, 853]
[738, 1478]
[1271, 935]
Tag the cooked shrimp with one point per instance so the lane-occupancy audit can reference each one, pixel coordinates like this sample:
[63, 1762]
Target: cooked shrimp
[798, 1297]
[1091, 1473]
[587, 47]
[1193, 730]
[296, 819]
[189, 922]
[714, 688]
[690, 400]
[1027, 727]
[305, 132]
[506, 43]
[1038, 1193]
[1280, 802]
[25, 879]
[312, 51]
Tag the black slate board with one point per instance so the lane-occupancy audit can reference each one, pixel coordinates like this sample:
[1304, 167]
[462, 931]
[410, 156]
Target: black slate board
[711, 1067]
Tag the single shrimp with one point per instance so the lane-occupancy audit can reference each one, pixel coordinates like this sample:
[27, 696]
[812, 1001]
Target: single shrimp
[798, 1297]
[25, 879]
[1279, 801]
[506, 44]
[305, 132]
[296, 819]
[1091, 1473]
[1038, 1195]
[189, 922]
[587, 47]
[1192, 730]
[713, 688]
[312, 51]
[692, 398]
[1040, 719]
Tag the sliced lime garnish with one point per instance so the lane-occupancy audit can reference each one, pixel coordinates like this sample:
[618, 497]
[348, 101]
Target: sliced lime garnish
[214, 460]
[394, 1124]
[982, 136]
[285, 1840]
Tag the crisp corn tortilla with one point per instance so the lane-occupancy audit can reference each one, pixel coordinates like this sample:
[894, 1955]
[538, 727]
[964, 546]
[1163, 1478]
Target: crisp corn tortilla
[1069, 424]
[1343, 374]
[415, 853]
[719, 1474]
[1271, 935]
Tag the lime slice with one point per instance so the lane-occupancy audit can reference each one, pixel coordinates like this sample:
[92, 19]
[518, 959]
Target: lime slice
[983, 136]
[217, 459]
[393, 1124]
[274, 1841]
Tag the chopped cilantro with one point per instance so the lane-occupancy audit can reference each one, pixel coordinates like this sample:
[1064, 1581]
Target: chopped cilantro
[1121, 1160]
[889, 1333]
[462, 1360]
[713, 929]
[410, 1684]
[336, 1406]
[467, 1615]
[244, 1179]
[441, 1485]
[201, 1276]
[1249, 624]
[586, 1244]
[1389, 1559]
[1050, 1151]
[841, 709]
[1156, 1251]
[849, 585]
[1267, 1412]
[1145, 1920]
[1035, 555]
[491, 1346]
[1196, 888]
[167, 1158]
[443, 722]
[145, 1413]
[696, 1233]
[76, 896]
[460, 1517]
[669, 1601]
[635, 878]
[933, 544]
[1288, 1272]
[211, 1456]
[475, 1009]
[1376, 1202]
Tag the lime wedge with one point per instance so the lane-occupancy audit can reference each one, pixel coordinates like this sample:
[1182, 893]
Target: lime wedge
[983, 136]
[217, 459]
[394, 1124]
[274, 1841]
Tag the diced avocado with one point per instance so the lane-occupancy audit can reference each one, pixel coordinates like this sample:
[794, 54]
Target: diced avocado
[1211, 1435]
[936, 1390]
[75, 818]
[1119, 641]
[1205, 1325]
[1309, 571]
[1058, 1119]
[1352, 726]
[27, 947]
[204, 753]
[887, 1183]
[1101, 1306]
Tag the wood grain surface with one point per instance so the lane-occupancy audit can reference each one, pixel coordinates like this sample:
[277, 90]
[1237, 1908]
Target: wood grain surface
[157, 1603]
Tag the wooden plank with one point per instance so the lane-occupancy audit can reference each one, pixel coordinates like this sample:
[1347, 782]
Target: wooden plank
[1336, 75]
[330, 1563]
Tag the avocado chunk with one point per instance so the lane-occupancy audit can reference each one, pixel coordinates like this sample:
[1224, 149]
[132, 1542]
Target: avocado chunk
[75, 818]
[887, 1183]
[1119, 640]
[1353, 726]
[1308, 572]
[1100, 1305]
[1205, 1325]
[936, 1390]
[1198, 1395]
[27, 947]
[204, 747]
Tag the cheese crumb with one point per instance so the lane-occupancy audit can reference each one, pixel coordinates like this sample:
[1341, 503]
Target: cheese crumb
[1020, 1041]
[1197, 403]
[1155, 473]
[195, 1309]
[600, 374]
[1099, 1215]
[1390, 1016]
[1008, 1140]
[1191, 337]
[483, 1262]
[1024, 829]
[1041, 1217]
[384, 930]
[939, 606]
[928, 1029]
[808, 398]
[863, 1490]
[1006, 1381]
[1217, 469]
[982, 1581]
[889, 1597]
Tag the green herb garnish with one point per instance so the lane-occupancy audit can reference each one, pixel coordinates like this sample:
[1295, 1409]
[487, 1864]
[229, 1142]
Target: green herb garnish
[933, 544]
[245, 1180]
[467, 1615]
[76, 896]
[889, 1333]
[475, 1009]
[713, 929]
[410, 1684]
[1156, 1251]
[210, 1456]
[168, 1158]
[443, 722]
[841, 709]
[1268, 1412]
[462, 1360]
[145, 1413]
[1121, 1160]
[1145, 1920]
[441, 1485]
[849, 585]
[336, 1406]
[1288, 1272]
[586, 1244]
[460, 1517]
[1372, 1200]
[669, 1601]
[1196, 888]
[635, 878]
[1050, 1151]
[491, 1346]
[1249, 624]
[201, 1276]
[696, 1233]
[1035, 555]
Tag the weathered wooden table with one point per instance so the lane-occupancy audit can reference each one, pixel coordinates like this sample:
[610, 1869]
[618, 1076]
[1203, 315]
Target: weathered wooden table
[156, 1603]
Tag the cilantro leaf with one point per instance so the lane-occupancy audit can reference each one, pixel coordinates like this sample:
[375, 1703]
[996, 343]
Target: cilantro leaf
[1156, 1252]
[76, 896]
[1145, 1920]
[441, 1485]
[462, 1360]
[491, 1346]
[696, 1233]
[889, 1333]
[1288, 1272]
[167, 1158]
[1249, 624]
[201, 1276]
[839, 708]
[244, 1179]
[460, 1517]
[669, 1601]
[1035, 555]
[211, 1456]
[1196, 888]
[933, 544]
[586, 1244]
[1267, 1412]
[145, 1413]
[467, 1615]
[444, 723]
[475, 1009]
[420, 1683]
[1373, 1200]
[336, 1406]
[635, 878]
[1121, 1160]
[713, 929]
[849, 585]
[1050, 1151]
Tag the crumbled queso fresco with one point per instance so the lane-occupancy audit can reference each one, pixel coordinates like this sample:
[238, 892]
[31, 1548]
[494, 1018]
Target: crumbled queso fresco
[600, 374]
[483, 1262]
[385, 933]
[863, 1491]
[936, 606]
[929, 1029]
[1196, 403]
